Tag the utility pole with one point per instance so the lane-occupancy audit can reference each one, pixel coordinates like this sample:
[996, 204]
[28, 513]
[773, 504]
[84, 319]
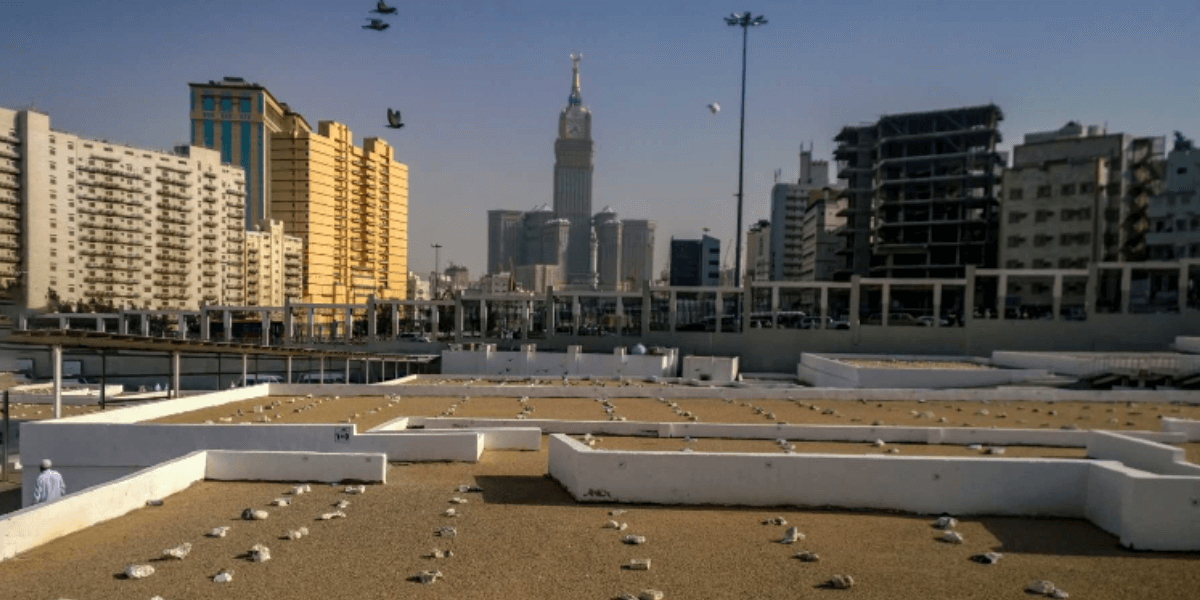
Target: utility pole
[745, 21]
[437, 258]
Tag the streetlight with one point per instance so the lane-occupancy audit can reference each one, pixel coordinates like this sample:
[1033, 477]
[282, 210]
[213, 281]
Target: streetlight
[745, 21]
[437, 257]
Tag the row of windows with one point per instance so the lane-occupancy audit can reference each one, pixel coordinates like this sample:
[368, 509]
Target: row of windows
[209, 103]
[1065, 190]
[1043, 239]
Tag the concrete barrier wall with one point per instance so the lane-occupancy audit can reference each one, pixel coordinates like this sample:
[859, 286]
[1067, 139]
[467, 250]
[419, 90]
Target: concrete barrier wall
[1188, 427]
[830, 371]
[927, 485]
[717, 369]
[404, 446]
[31, 527]
[494, 438]
[529, 361]
[165, 408]
[1144, 455]
[1161, 513]
[295, 466]
[1191, 345]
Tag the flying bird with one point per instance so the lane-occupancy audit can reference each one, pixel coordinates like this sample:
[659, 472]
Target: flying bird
[714, 107]
[376, 24]
[394, 119]
[381, 8]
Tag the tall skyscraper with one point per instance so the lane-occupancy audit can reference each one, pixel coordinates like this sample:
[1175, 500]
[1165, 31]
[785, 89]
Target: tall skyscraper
[505, 239]
[637, 252]
[608, 249]
[237, 118]
[573, 164]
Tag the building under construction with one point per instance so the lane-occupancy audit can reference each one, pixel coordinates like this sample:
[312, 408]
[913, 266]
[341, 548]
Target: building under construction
[922, 192]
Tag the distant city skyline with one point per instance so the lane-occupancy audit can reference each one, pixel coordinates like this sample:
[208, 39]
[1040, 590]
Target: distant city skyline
[480, 85]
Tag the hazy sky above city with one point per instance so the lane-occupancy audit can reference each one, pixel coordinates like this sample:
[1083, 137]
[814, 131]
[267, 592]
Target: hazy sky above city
[481, 83]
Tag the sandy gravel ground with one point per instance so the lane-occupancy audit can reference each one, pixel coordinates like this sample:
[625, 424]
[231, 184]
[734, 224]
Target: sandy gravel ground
[523, 537]
[549, 381]
[36, 412]
[770, 446]
[916, 364]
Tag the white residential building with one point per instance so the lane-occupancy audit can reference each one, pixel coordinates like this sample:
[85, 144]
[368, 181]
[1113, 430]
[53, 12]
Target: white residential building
[1175, 213]
[273, 268]
[89, 220]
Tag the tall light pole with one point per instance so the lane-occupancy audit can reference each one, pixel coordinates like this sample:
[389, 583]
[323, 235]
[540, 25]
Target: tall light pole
[437, 257]
[745, 21]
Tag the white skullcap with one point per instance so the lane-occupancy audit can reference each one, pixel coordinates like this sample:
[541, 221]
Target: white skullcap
[45, 463]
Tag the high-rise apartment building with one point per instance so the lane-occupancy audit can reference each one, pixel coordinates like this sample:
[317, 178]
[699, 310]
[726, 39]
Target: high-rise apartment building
[505, 238]
[821, 241]
[573, 166]
[274, 266]
[1175, 213]
[237, 119]
[637, 252]
[758, 251]
[921, 192]
[349, 205]
[788, 204]
[89, 220]
[608, 230]
[1078, 195]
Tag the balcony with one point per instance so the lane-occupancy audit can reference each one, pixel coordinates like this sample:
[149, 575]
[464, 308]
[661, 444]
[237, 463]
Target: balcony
[209, 211]
[173, 245]
[108, 212]
[111, 240]
[110, 199]
[209, 272]
[110, 226]
[9, 244]
[108, 253]
[111, 267]
[170, 271]
[9, 185]
[110, 171]
[109, 280]
[208, 248]
[108, 183]
[170, 232]
[209, 186]
[168, 205]
[8, 169]
[208, 235]
[168, 218]
[162, 256]
[174, 194]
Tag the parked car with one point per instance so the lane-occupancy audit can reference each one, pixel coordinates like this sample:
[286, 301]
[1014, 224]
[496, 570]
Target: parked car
[928, 322]
[329, 377]
[257, 379]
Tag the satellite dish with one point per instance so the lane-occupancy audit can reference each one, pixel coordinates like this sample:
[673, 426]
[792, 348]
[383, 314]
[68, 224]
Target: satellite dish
[714, 107]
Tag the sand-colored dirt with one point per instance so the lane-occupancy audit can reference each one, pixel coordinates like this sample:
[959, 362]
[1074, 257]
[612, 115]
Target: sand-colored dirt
[34, 412]
[952, 365]
[770, 446]
[545, 381]
[523, 537]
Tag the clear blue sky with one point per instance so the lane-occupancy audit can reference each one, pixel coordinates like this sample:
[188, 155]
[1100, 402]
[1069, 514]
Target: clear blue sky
[481, 83]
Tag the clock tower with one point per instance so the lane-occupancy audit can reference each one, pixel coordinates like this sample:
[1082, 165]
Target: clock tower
[573, 165]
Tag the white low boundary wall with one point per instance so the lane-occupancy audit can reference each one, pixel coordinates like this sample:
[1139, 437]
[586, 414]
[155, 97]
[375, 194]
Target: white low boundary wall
[1188, 427]
[1191, 345]
[829, 370]
[72, 395]
[812, 433]
[715, 369]
[1145, 510]
[30, 527]
[528, 361]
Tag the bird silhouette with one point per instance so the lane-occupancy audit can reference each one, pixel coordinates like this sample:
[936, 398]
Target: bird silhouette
[381, 8]
[714, 107]
[393, 117]
[376, 24]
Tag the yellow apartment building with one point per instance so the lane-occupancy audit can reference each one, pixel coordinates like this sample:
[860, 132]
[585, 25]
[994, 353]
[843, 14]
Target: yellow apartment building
[349, 205]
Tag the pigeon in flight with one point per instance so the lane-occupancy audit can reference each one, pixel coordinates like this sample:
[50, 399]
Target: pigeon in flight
[381, 8]
[376, 24]
[714, 107]
[393, 117]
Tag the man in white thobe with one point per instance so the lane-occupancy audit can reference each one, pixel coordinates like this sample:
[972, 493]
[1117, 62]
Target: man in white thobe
[49, 484]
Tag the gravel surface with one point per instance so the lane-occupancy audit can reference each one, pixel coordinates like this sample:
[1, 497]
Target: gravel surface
[523, 537]
[35, 412]
[769, 446]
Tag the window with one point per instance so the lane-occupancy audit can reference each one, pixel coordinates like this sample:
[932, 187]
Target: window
[207, 103]
[1015, 240]
[1068, 189]
[1114, 190]
[1014, 264]
[1043, 191]
[1016, 194]
[1043, 216]
[1181, 171]
[1015, 217]
[1042, 239]
[226, 103]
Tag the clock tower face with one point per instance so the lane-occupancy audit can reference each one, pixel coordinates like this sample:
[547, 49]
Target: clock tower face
[575, 126]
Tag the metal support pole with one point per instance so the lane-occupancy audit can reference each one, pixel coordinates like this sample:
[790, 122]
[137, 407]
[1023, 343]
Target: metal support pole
[968, 312]
[103, 378]
[310, 325]
[322, 363]
[737, 260]
[1126, 281]
[205, 324]
[1056, 303]
[672, 310]
[774, 306]
[7, 434]
[886, 303]
[227, 324]
[174, 375]
[1183, 287]
[937, 305]
[483, 318]
[459, 319]
[347, 369]
[57, 354]
[348, 334]
[266, 328]
[289, 368]
[245, 359]
[372, 317]
[720, 312]
[824, 306]
[1001, 293]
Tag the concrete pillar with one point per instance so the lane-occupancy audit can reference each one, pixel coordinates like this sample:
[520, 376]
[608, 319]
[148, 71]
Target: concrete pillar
[289, 369]
[969, 296]
[122, 324]
[322, 366]
[483, 318]
[824, 305]
[266, 328]
[672, 311]
[1092, 292]
[348, 314]
[347, 369]
[435, 317]
[181, 326]
[937, 305]
[647, 306]
[396, 321]
[886, 302]
[56, 357]
[100, 324]
[1126, 281]
[145, 325]
[289, 324]
[1183, 287]
[174, 393]
[204, 325]
[227, 324]
[620, 315]
[310, 325]
[747, 307]
[576, 318]
[720, 312]
[63, 324]
[245, 360]
[1001, 292]
[459, 320]
[372, 314]
[855, 300]
[1057, 291]
[551, 320]
[774, 306]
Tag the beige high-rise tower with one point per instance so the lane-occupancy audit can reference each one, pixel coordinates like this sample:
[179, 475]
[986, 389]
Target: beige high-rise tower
[349, 205]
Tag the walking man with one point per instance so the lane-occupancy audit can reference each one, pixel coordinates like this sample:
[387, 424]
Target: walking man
[49, 484]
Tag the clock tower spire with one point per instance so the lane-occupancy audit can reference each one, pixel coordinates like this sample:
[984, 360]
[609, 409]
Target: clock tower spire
[573, 164]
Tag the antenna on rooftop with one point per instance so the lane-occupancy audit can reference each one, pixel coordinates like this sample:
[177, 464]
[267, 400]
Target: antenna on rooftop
[778, 174]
